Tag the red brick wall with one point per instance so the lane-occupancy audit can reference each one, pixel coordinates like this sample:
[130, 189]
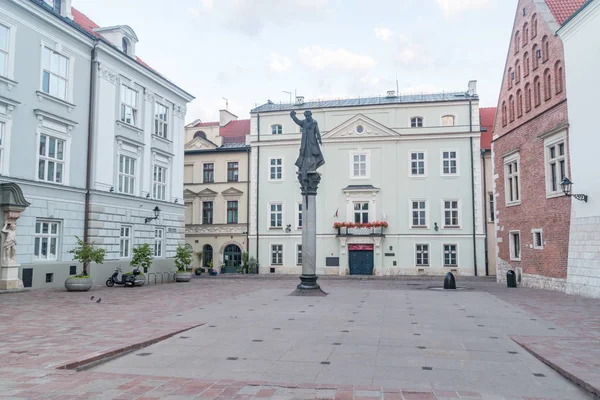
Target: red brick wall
[535, 211]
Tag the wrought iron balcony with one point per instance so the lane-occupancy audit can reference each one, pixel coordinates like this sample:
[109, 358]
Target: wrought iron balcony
[366, 231]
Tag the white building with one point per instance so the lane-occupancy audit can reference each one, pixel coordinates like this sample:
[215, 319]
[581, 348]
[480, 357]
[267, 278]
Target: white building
[582, 63]
[411, 162]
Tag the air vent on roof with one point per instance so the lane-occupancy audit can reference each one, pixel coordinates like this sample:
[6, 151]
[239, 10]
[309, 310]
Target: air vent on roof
[299, 99]
[391, 93]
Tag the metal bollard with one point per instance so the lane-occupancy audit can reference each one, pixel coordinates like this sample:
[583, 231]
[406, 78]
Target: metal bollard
[511, 279]
[449, 281]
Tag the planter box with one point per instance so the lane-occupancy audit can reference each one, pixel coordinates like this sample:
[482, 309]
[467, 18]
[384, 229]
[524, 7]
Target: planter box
[183, 276]
[79, 284]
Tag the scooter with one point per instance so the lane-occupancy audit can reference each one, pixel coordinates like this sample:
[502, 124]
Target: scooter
[127, 280]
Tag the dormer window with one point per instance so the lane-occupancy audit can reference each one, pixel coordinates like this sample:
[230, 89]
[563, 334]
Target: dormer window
[125, 46]
[416, 122]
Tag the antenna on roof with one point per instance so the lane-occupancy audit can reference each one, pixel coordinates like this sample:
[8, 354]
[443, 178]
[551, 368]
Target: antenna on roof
[226, 103]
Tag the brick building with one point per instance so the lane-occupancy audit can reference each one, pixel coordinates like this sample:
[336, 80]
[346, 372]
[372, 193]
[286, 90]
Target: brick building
[530, 147]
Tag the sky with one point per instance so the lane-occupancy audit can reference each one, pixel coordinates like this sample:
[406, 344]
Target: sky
[251, 51]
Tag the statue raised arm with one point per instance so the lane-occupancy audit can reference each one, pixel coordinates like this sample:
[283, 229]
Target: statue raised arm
[310, 157]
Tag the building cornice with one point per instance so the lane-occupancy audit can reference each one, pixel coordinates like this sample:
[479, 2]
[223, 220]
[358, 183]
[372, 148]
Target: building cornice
[578, 20]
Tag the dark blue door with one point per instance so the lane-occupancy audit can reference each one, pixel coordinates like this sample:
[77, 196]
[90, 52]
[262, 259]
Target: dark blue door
[361, 262]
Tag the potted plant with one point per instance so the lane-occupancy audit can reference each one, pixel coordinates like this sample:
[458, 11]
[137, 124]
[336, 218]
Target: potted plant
[183, 259]
[85, 253]
[211, 272]
[245, 261]
[199, 270]
[252, 265]
[142, 257]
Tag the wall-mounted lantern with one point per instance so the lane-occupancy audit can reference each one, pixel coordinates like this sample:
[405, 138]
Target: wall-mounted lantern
[156, 214]
[566, 185]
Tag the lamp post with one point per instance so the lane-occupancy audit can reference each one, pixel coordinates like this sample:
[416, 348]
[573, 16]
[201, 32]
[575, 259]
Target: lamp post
[566, 186]
[156, 214]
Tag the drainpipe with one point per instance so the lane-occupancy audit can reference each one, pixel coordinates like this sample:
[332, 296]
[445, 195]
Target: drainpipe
[257, 192]
[487, 260]
[473, 202]
[91, 118]
[247, 200]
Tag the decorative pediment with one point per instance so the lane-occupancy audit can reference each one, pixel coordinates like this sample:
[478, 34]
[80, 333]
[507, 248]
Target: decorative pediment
[207, 193]
[360, 126]
[187, 193]
[232, 193]
[199, 143]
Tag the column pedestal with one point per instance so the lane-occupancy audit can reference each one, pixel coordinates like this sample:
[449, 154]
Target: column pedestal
[12, 203]
[9, 278]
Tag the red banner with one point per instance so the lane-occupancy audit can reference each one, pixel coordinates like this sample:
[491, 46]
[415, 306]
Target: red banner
[360, 247]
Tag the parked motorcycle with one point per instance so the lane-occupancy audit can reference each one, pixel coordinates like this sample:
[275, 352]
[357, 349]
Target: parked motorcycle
[127, 280]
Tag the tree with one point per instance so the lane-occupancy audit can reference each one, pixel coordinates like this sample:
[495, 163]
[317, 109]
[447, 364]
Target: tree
[87, 253]
[142, 256]
[183, 258]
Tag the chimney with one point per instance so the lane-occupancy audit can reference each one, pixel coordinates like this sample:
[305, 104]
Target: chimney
[472, 88]
[226, 117]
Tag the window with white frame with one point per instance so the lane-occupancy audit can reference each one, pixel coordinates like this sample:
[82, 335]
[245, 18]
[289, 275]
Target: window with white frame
[538, 239]
[359, 165]
[276, 254]
[129, 105]
[161, 120]
[125, 241]
[4, 49]
[515, 245]
[276, 169]
[450, 255]
[159, 183]
[126, 174]
[47, 240]
[276, 215]
[51, 159]
[448, 120]
[159, 239]
[232, 212]
[419, 213]
[422, 255]
[449, 162]
[2, 140]
[416, 122]
[299, 216]
[512, 181]
[55, 73]
[276, 129]
[299, 254]
[361, 212]
[556, 169]
[417, 163]
[451, 214]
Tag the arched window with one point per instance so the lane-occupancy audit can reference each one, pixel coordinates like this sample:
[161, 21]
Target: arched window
[200, 134]
[207, 256]
[504, 113]
[525, 33]
[416, 122]
[511, 77]
[511, 108]
[519, 103]
[517, 41]
[534, 26]
[526, 64]
[545, 48]
[125, 46]
[536, 55]
[448, 120]
[518, 71]
[558, 76]
[528, 97]
[276, 129]
[537, 91]
[547, 84]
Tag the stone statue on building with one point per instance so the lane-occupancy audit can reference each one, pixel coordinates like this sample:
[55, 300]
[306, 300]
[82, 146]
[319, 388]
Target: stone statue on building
[310, 157]
[10, 242]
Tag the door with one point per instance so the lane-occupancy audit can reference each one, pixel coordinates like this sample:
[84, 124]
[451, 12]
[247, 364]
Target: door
[232, 259]
[207, 256]
[361, 262]
[27, 275]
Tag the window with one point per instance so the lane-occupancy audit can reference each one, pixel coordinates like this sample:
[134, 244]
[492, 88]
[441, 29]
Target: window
[538, 242]
[276, 169]
[511, 108]
[525, 33]
[558, 77]
[526, 62]
[422, 255]
[450, 255]
[55, 75]
[299, 254]
[57, 5]
[126, 174]
[547, 84]
[49, 278]
[511, 77]
[515, 246]
[416, 122]
[276, 216]
[276, 254]
[535, 56]
[519, 103]
[448, 120]
[159, 237]
[159, 183]
[517, 41]
[276, 129]
[2, 140]
[299, 216]
[449, 163]
[492, 212]
[518, 71]
[417, 164]
[47, 238]
[556, 169]
[232, 212]
[232, 171]
[51, 159]
[537, 91]
[125, 241]
[534, 26]
[207, 212]
[545, 49]
[451, 214]
[511, 170]
[125, 45]
[527, 97]
[4, 54]
[361, 212]
[208, 173]
[419, 214]
[504, 116]
[129, 105]
[161, 120]
[359, 165]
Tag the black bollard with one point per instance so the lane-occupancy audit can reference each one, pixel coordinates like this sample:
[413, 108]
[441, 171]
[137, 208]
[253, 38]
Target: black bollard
[449, 281]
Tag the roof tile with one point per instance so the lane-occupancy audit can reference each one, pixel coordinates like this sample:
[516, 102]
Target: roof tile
[563, 9]
[487, 117]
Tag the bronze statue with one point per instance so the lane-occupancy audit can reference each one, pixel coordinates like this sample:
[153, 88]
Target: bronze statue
[310, 157]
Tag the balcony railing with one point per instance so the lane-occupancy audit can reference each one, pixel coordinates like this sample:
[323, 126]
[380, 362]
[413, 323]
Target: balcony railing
[371, 231]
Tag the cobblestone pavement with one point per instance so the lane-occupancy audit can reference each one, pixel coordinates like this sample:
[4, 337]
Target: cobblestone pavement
[46, 329]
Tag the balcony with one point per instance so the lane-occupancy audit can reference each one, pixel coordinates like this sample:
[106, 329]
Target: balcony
[352, 229]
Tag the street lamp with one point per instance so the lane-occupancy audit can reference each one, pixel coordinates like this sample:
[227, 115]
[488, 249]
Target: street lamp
[156, 214]
[566, 185]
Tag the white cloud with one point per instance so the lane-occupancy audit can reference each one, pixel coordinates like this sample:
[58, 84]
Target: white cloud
[370, 80]
[453, 7]
[383, 33]
[207, 4]
[279, 63]
[204, 6]
[319, 58]
[413, 54]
